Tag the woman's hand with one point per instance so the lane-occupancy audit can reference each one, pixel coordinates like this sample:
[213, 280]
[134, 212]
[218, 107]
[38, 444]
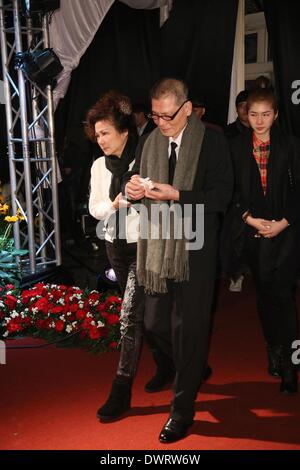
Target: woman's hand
[257, 223]
[134, 189]
[120, 201]
[273, 228]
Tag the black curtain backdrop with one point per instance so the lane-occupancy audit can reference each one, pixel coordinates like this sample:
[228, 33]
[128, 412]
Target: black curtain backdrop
[283, 24]
[123, 55]
[130, 52]
[197, 45]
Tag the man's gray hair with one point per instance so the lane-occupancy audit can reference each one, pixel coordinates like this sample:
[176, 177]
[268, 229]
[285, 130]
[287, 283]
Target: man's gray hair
[170, 86]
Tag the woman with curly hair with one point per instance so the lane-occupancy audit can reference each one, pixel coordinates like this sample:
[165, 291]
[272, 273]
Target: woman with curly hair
[110, 123]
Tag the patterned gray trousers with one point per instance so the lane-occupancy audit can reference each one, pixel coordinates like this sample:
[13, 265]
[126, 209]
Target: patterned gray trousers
[131, 320]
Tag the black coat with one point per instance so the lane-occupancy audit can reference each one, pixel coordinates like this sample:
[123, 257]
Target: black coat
[282, 199]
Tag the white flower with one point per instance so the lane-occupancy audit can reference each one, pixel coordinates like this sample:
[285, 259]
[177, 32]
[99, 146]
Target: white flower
[62, 318]
[69, 328]
[14, 314]
[5, 334]
[100, 324]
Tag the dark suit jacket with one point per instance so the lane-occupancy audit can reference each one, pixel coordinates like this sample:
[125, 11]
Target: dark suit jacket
[149, 127]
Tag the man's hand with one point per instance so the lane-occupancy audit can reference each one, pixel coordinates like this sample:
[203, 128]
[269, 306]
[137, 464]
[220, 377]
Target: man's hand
[134, 189]
[162, 192]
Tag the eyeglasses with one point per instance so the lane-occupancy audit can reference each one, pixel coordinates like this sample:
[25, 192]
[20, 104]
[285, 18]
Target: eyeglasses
[165, 117]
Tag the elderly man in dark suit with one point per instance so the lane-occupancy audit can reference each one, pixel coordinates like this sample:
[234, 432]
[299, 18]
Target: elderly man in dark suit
[189, 168]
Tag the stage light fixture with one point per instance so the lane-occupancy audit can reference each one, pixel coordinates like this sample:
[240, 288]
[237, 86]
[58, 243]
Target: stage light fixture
[40, 66]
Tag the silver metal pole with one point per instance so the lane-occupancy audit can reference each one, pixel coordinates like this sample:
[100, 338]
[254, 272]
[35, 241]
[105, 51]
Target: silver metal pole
[9, 120]
[39, 149]
[52, 153]
[25, 142]
[34, 148]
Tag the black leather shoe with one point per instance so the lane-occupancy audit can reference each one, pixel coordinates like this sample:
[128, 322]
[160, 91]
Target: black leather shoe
[207, 373]
[289, 381]
[173, 431]
[160, 380]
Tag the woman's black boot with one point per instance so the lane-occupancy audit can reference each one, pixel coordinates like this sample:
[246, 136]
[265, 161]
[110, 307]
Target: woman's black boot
[118, 402]
[275, 360]
[289, 377]
[289, 381]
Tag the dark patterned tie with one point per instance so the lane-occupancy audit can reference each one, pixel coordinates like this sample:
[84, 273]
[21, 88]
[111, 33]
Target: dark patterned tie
[172, 162]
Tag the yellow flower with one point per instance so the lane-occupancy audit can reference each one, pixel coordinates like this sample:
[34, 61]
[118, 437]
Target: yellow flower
[12, 218]
[4, 209]
[20, 215]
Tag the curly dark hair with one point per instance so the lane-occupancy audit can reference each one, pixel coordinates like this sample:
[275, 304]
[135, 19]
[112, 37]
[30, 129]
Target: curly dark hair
[114, 107]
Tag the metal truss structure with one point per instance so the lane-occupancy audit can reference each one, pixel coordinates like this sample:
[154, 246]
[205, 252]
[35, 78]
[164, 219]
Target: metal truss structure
[31, 146]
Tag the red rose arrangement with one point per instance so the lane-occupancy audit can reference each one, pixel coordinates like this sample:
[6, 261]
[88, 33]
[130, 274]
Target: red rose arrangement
[87, 318]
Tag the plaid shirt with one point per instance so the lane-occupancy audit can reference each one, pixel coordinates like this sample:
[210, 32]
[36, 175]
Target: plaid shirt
[261, 152]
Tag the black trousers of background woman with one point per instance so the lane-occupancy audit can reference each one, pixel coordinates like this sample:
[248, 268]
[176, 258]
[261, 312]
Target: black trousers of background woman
[275, 278]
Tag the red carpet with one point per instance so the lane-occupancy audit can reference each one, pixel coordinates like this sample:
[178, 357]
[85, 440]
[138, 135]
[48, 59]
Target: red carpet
[49, 396]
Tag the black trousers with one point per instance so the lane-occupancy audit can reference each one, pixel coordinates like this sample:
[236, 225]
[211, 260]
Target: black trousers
[179, 323]
[273, 264]
[121, 257]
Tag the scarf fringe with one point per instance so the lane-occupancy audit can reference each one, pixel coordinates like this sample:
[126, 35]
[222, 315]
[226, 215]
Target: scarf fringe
[178, 271]
[152, 282]
[155, 283]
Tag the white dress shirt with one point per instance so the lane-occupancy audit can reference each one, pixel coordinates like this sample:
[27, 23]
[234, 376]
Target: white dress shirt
[177, 140]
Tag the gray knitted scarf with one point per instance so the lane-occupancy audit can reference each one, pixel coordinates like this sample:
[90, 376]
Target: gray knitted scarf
[161, 259]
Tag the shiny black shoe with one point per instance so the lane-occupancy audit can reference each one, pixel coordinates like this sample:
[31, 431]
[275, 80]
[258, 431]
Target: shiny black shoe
[173, 431]
[207, 373]
[289, 381]
[160, 380]
[117, 404]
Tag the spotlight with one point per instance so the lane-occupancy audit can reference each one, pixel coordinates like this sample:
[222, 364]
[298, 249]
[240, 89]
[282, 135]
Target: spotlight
[41, 67]
[39, 6]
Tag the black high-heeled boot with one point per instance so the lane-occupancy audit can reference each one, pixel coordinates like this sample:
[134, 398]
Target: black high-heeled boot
[289, 377]
[289, 381]
[118, 402]
[275, 360]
